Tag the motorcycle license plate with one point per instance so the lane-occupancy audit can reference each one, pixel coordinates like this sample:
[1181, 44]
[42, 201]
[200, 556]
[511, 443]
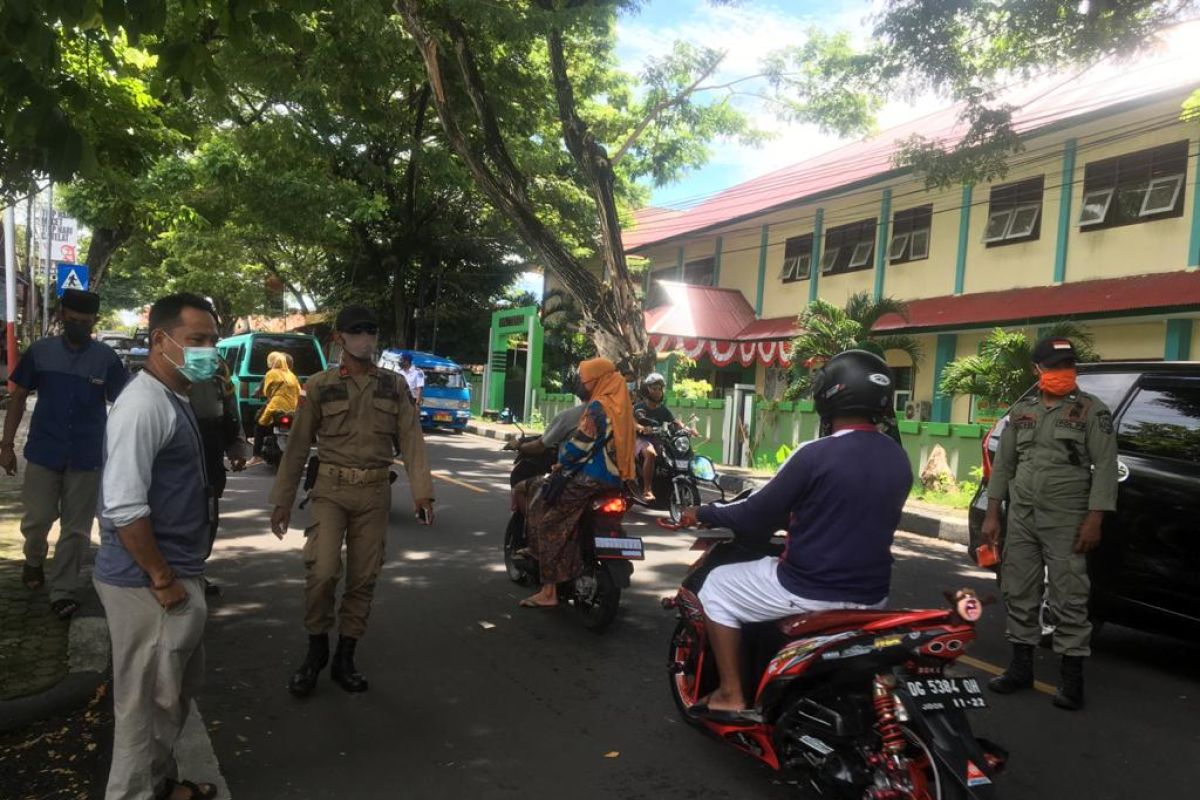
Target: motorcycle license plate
[442, 417]
[943, 694]
[619, 547]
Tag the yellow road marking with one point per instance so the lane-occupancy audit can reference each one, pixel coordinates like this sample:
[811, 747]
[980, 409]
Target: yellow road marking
[443, 476]
[991, 668]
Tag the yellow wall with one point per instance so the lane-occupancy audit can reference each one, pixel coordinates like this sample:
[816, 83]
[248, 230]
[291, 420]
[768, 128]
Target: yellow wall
[1195, 353]
[739, 262]
[1135, 341]
[933, 276]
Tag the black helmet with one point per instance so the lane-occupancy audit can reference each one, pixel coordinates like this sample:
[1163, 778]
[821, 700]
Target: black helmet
[853, 383]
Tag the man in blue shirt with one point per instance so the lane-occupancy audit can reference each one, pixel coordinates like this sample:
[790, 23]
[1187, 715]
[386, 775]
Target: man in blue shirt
[839, 498]
[74, 378]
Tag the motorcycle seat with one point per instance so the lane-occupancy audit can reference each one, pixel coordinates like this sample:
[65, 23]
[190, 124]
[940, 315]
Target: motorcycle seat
[814, 622]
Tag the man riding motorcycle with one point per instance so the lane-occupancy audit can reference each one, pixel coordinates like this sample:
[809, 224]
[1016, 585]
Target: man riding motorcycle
[648, 413]
[839, 498]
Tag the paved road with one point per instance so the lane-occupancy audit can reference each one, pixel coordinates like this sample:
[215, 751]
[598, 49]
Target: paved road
[474, 698]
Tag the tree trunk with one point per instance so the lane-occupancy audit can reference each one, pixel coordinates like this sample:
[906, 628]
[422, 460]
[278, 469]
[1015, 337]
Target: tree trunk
[105, 242]
[612, 314]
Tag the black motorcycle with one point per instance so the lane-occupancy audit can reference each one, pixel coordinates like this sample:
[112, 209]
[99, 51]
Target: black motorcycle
[608, 552]
[678, 471]
[275, 442]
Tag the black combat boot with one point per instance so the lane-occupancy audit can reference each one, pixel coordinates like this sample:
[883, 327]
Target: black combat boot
[304, 679]
[1019, 674]
[343, 671]
[1070, 686]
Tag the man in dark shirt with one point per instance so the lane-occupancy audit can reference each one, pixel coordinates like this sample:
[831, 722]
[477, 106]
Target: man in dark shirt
[649, 413]
[74, 378]
[840, 500]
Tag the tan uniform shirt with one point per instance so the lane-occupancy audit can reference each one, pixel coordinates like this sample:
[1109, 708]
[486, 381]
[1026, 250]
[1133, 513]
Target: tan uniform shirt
[354, 420]
[1060, 460]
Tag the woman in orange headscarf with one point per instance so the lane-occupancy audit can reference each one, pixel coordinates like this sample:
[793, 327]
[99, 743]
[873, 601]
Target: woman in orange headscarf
[598, 458]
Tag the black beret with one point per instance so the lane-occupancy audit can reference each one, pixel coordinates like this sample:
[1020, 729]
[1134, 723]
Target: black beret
[83, 302]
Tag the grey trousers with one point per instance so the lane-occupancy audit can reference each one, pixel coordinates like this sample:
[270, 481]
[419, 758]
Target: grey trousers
[158, 667]
[70, 498]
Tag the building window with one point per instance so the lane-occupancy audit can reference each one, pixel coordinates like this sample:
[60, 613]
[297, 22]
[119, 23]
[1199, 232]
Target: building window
[700, 272]
[797, 259]
[910, 234]
[848, 248]
[1137, 187]
[1015, 212]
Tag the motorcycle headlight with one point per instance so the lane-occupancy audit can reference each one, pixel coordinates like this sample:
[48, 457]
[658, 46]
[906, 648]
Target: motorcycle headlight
[703, 469]
[682, 443]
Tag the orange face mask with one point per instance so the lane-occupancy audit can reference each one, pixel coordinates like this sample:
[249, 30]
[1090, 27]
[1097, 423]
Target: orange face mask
[1058, 382]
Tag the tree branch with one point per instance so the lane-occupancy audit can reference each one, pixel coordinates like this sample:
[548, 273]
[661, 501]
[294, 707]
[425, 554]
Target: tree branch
[662, 106]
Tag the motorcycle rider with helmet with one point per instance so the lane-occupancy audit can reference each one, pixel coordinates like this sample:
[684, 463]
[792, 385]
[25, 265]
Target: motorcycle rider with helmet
[648, 413]
[839, 497]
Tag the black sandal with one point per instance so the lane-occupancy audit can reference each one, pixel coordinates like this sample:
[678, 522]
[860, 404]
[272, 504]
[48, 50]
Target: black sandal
[33, 577]
[64, 607]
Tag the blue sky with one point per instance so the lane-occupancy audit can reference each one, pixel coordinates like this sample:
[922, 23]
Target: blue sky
[746, 33]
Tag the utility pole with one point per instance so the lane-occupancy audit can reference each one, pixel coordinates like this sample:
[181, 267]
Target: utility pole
[10, 287]
[31, 271]
[48, 233]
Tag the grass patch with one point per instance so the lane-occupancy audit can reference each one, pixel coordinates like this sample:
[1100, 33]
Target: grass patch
[960, 498]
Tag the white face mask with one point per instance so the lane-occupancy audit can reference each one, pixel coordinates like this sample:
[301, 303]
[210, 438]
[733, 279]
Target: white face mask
[360, 345]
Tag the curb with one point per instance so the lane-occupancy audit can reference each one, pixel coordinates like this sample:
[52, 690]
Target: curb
[923, 522]
[87, 668]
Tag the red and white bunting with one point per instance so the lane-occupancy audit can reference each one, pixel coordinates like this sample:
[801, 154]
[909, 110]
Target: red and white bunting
[722, 353]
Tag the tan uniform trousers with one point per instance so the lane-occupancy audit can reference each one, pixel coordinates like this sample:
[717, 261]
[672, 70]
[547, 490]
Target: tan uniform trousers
[356, 514]
[70, 498]
[158, 669]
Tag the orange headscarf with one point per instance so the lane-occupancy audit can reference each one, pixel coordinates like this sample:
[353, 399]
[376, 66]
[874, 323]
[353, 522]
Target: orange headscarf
[610, 392]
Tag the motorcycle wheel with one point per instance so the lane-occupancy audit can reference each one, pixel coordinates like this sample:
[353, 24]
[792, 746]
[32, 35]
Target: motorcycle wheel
[682, 496]
[941, 785]
[599, 611]
[516, 573]
[681, 668]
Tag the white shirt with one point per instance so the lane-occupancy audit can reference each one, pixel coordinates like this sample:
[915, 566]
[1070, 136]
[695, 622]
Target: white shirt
[414, 378]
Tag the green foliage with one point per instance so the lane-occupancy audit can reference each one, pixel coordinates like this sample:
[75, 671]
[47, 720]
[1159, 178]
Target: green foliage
[958, 496]
[828, 330]
[684, 381]
[1003, 370]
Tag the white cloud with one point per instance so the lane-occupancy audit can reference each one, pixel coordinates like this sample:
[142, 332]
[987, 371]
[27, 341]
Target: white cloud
[746, 34]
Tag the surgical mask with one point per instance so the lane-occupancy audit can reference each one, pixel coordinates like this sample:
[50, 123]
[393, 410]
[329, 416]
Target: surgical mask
[360, 345]
[199, 363]
[1058, 382]
[77, 332]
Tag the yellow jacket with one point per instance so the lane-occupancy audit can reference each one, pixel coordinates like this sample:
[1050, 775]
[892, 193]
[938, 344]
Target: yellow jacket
[281, 387]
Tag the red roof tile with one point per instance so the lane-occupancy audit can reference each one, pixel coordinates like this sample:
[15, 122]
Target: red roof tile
[1151, 293]
[700, 312]
[768, 329]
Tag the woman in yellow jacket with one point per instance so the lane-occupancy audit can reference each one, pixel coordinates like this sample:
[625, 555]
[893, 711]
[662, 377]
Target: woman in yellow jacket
[281, 387]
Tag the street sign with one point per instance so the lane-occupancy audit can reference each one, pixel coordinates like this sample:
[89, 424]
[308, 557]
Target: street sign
[72, 276]
[63, 232]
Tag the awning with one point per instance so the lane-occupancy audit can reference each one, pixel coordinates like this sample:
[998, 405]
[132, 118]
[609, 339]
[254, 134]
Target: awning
[720, 324]
[1160, 293]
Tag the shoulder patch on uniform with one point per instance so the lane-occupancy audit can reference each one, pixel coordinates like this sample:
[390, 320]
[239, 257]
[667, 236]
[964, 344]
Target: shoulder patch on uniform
[1105, 421]
[334, 391]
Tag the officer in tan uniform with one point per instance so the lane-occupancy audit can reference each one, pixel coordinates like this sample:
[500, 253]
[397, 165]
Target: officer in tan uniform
[1057, 467]
[354, 410]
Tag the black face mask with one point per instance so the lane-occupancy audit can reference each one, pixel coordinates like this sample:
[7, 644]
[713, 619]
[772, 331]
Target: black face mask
[77, 332]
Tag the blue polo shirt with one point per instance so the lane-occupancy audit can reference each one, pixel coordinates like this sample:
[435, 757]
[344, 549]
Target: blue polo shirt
[73, 387]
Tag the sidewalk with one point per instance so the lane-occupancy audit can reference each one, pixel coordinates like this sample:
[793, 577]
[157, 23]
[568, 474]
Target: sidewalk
[925, 519]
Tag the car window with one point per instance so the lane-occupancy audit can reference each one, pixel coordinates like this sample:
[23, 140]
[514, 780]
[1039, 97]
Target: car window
[449, 380]
[1110, 387]
[306, 357]
[1163, 421]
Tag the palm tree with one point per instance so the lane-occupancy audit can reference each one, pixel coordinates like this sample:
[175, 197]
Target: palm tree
[828, 330]
[1003, 370]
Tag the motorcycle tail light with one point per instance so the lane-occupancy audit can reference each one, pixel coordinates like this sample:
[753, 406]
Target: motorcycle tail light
[285, 421]
[614, 505]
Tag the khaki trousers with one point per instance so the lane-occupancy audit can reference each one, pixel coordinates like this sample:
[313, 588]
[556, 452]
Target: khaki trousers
[158, 668]
[69, 497]
[356, 514]
[1030, 551]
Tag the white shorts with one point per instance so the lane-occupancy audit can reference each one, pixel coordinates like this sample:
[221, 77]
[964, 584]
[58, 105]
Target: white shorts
[751, 592]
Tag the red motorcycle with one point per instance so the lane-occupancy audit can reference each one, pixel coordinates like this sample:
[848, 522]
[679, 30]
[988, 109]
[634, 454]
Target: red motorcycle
[852, 703]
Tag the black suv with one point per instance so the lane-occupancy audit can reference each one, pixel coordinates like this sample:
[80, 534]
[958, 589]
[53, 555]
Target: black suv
[1146, 571]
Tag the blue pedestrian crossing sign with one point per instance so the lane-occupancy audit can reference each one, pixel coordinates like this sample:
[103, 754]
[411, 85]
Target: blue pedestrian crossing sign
[72, 276]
